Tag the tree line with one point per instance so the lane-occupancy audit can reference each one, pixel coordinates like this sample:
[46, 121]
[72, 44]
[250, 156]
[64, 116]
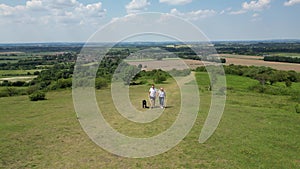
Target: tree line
[282, 59]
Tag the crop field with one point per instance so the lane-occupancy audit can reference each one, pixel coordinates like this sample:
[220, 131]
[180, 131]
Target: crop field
[241, 56]
[230, 59]
[275, 65]
[256, 131]
[258, 61]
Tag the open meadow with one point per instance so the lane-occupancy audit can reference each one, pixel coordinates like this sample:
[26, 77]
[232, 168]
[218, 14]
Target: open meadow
[257, 131]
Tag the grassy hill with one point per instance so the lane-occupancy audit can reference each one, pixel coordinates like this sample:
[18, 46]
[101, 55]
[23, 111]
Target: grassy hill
[256, 131]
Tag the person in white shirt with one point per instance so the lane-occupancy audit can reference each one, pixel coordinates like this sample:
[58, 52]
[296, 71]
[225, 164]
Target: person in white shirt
[162, 95]
[152, 96]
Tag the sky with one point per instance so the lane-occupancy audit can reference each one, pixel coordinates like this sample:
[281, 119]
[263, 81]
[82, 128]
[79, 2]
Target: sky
[27, 21]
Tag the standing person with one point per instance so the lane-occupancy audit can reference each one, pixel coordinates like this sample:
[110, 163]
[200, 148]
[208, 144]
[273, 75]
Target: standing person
[162, 95]
[152, 95]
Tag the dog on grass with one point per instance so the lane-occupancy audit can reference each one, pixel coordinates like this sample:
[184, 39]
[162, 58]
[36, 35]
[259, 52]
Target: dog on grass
[144, 104]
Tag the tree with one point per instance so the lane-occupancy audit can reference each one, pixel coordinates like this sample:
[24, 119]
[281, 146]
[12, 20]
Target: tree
[140, 66]
[223, 60]
[273, 78]
[159, 77]
[100, 83]
[288, 83]
[281, 75]
[64, 83]
[38, 95]
[262, 78]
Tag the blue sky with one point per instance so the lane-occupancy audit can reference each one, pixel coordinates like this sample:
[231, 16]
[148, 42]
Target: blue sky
[77, 20]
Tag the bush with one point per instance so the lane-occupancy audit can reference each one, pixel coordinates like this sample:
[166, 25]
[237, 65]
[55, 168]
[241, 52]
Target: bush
[3, 93]
[18, 83]
[223, 60]
[12, 91]
[201, 69]
[176, 73]
[100, 83]
[38, 95]
[296, 97]
[32, 89]
[6, 83]
[258, 88]
[159, 78]
[288, 83]
[297, 107]
[64, 83]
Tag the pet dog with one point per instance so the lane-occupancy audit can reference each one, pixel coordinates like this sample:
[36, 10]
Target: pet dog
[144, 104]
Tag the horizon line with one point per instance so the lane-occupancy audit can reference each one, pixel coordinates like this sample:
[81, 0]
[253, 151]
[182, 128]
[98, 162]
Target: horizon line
[146, 41]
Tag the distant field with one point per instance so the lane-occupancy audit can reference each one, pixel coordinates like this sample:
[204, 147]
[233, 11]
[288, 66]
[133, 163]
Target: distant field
[8, 61]
[286, 54]
[241, 56]
[230, 59]
[256, 131]
[258, 61]
[18, 78]
[165, 64]
[275, 65]
[9, 53]
[17, 75]
[13, 73]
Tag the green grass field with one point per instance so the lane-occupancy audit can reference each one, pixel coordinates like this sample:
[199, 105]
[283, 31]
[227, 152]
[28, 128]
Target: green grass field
[286, 54]
[256, 131]
[8, 61]
[12, 73]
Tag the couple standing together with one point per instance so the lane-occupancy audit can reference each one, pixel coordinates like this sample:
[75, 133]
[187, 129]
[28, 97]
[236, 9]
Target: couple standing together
[161, 95]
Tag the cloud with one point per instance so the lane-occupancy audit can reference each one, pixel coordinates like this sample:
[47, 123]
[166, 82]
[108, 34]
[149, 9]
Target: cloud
[225, 11]
[175, 2]
[258, 5]
[59, 4]
[35, 4]
[194, 15]
[136, 6]
[91, 10]
[237, 12]
[52, 11]
[291, 2]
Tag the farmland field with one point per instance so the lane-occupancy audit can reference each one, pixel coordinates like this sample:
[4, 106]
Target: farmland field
[275, 65]
[256, 131]
[258, 61]
[12, 73]
[18, 78]
[230, 59]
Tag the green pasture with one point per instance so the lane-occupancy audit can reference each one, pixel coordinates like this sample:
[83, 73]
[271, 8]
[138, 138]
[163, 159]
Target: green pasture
[256, 131]
[12, 73]
[8, 61]
[285, 54]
